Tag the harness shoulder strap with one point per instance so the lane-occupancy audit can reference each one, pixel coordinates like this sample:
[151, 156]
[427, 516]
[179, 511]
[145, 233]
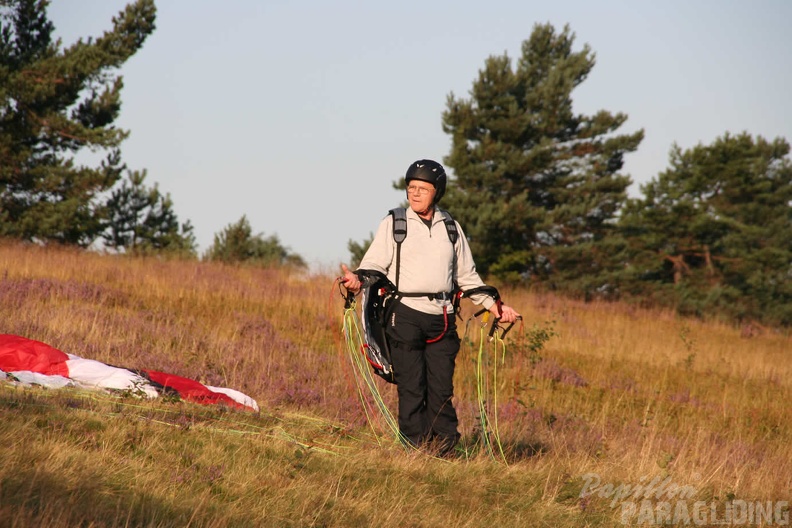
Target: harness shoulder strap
[399, 215]
[451, 229]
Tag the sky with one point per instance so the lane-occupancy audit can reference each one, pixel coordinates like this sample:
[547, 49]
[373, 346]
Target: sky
[300, 115]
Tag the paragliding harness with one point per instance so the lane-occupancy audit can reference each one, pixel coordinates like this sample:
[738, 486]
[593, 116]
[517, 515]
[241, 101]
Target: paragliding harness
[379, 295]
[370, 355]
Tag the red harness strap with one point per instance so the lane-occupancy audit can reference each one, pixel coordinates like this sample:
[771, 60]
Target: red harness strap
[445, 327]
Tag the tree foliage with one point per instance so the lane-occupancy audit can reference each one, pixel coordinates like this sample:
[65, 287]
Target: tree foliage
[713, 233]
[357, 250]
[142, 220]
[236, 243]
[56, 102]
[534, 181]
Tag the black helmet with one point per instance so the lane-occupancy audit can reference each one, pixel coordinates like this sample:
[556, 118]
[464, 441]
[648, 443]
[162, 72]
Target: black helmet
[430, 172]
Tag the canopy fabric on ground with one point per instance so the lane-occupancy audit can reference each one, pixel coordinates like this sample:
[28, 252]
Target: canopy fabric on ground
[35, 363]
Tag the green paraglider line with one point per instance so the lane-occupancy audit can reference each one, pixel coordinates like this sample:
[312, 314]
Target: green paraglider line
[365, 383]
[486, 379]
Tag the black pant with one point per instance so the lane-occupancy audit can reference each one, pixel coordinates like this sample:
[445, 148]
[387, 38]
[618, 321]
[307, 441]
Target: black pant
[424, 374]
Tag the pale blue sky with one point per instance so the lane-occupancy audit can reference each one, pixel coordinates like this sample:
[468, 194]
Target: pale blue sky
[300, 115]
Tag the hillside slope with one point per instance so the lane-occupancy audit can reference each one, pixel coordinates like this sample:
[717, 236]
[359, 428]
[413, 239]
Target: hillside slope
[600, 423]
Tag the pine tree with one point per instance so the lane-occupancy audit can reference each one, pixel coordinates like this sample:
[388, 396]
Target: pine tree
[534, 181]
[54, 103]
[713, 233]
[236, 243]
[142, 220]
[357, 250]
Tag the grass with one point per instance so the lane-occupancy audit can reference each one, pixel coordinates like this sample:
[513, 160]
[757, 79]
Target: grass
[586, 390]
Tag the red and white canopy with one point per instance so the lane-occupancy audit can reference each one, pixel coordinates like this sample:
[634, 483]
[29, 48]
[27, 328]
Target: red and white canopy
[34, 362]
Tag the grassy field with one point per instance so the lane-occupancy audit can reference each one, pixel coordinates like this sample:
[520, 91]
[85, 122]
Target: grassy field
[622, 416]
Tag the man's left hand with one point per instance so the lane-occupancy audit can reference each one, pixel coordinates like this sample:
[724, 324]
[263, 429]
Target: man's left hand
[507, 313]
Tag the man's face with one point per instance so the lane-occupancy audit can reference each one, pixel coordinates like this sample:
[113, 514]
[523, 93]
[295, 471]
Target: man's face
[420, 194]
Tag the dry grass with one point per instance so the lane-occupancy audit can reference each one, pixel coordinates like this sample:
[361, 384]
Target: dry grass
[620, 392]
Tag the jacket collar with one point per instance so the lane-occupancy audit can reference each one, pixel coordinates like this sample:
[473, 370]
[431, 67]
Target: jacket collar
[414, 216]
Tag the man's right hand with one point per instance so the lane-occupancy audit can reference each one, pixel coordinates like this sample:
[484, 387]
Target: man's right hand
[350, 281]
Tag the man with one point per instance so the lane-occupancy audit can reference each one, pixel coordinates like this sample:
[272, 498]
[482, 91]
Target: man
[420, 327]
